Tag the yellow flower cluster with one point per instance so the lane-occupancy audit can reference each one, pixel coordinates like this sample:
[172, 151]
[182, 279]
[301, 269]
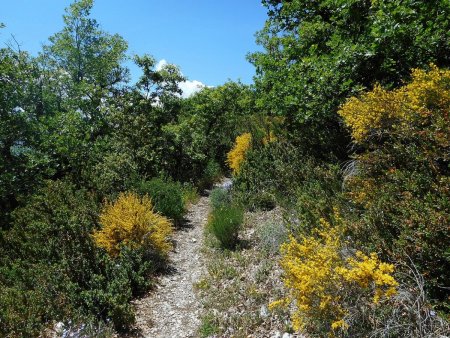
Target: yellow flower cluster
[236, 156]
[131, 221]
[382, 109]
[309, 266]
[321, 282]
[366, 271]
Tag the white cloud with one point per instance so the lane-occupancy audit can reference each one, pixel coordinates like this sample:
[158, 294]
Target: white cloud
[188, 87]
[161, 63]
[191, 87]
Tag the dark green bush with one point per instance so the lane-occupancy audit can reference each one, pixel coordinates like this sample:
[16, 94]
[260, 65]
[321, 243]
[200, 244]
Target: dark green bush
[110, 169]
[319, 193]
[211, 174]
[167, 197]
[272, 174]
[28, 297]
[225, 223]
[51, 270]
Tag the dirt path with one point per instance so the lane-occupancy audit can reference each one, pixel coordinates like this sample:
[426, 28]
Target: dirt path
[172, 310]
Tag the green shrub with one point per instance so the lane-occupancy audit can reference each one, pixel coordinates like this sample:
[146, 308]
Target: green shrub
[269, 174]
[211, 173]
[28, 297]
[315, 198]
[109, 170]
[51, 270]
[271, 236]
[225, 223]
[219, 197]
[167, 197]
[190, 194]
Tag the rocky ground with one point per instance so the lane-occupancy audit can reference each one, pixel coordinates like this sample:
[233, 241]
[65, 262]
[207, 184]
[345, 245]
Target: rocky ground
[239, 285]
[214, 293]
[172, 309]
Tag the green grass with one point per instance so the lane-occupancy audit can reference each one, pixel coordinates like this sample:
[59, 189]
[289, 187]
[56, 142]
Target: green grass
[208, 326]
[225, 223]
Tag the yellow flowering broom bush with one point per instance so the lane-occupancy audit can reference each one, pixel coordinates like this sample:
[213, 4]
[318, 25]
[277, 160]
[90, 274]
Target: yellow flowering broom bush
[130, 221]
[236, 156]
[381, 110]
[324, 285]
[399, 186]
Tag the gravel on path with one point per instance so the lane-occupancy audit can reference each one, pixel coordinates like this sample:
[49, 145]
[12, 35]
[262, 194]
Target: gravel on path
[172, 309]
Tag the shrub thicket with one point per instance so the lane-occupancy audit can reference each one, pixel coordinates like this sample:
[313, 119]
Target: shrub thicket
[167, 197]
[279, 173]
[399, 187]
[51, 269]
[266, 171]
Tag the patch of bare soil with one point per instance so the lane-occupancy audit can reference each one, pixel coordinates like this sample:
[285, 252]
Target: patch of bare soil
[172, 309]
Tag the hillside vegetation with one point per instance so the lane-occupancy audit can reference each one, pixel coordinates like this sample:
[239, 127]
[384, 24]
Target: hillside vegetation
[345, 133]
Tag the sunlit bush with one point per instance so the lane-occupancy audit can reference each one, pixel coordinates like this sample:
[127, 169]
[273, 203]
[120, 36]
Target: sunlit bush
[326, 281]
[398, 185]
[224, 223]
[166, 196]
[130, 221]
[380, 111]
[236, 156]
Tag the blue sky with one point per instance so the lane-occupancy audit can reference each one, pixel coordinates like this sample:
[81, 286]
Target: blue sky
[207, 39]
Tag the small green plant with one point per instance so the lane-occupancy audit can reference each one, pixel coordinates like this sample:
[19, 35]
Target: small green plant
[208, 326]
[219, 197]
[190, 194]
[166, 196]
[271, 236]
[225, 223]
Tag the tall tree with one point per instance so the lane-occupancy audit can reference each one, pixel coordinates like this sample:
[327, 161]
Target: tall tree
[86, 52]
[84, 74]
[21, 165]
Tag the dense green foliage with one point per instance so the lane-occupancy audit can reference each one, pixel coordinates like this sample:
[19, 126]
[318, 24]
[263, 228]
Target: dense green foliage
[318, 53]
[166, 196]
[51, 268]
[75, 132]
